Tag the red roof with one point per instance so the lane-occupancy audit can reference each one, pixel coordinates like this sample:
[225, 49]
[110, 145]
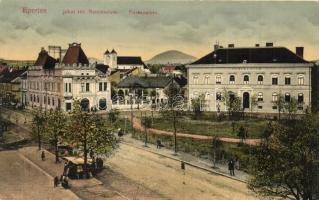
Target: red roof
[45, 60]
[75, 55]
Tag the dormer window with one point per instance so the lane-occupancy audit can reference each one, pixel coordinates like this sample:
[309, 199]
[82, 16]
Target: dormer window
[244, 61]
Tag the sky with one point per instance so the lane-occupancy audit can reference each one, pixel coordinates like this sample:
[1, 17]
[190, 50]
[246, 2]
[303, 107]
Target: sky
[146, 28]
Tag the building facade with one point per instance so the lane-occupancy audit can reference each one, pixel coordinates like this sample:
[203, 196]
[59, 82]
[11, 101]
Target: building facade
[257, 75]
[53, 84]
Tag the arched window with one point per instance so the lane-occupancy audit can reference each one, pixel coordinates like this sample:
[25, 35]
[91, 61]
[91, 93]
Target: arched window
[260, 96]
[301, 80]
[218, 79]
[260, 79]
[274, 97]
[231, 79]
[195, 79]
[206, 80]
[300, 98]
[246, 79]
[287, 97]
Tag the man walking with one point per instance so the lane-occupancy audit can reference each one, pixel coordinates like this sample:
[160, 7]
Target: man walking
[231, 167]
[42, 156]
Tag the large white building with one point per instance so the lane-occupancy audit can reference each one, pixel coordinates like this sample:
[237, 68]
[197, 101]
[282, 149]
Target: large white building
[261, 73]
[53, 84]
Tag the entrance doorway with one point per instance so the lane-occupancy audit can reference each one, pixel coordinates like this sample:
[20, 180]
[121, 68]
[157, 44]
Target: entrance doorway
[246, 100]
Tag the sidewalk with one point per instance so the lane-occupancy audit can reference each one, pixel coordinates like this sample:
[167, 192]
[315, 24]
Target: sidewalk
[82, 189]
[192, 160]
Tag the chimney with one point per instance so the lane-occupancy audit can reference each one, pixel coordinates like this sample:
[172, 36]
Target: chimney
[257, 45]
[231, 45]
[299, 51]
[269, 44]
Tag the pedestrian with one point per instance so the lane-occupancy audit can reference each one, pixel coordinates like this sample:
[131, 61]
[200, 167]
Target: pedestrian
[42, 156]
[158, 142]
[231, 167]
[56, 181]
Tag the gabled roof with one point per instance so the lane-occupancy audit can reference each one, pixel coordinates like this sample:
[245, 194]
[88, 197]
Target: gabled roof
[144, 82]
[106, 52]
[44, 60]
[10, 75]
[113, 51]
[101, 67]
[250, 55]
[127, 60]
[75, 55]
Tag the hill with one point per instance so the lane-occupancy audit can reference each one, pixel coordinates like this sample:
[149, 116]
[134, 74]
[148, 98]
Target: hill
[171, 57]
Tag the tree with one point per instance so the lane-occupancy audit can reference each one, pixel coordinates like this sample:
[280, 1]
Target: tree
[268, 131]
[232, 103]
[288, 165]
[147, 123]
[253, 103]
[215, 146]
[38, 125]
[280, 103]
[172, 91]
[291, 107]
[56, 123]
[89, 133]
[196, 104]
[113, 115]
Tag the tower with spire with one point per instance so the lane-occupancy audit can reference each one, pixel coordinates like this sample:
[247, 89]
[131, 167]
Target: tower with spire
[110, 59]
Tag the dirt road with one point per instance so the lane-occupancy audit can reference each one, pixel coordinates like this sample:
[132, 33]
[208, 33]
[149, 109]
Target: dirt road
[165, 177]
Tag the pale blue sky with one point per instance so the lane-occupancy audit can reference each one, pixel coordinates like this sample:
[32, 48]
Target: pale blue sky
[191, 27]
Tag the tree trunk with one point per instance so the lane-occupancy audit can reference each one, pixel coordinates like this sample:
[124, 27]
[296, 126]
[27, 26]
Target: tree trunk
[56, 148]
[39, 138]
[175, 139]
[85, 151]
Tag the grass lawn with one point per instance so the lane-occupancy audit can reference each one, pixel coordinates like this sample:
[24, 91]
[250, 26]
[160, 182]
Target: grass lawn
[222, 129]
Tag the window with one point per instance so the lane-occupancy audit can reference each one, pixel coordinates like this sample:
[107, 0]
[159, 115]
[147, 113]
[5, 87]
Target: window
[100, 86]
[195, 95]
[300, 98]
[287, 97]
[48, 100]
[274, 80]
[287, 80]
[260, 107]
[44, 100]
[231, 79]
[65, 87]
[206, 81]
[274, 97]
[52, 101]
[87, 87]
[218, 79]
[260, 96]
[70, 90]
[260, 79]
[105, 86]
[218, 96]
[67, 106]
[301, 80]
[38, 99]
[195, 79]
[82, 87]
[246, 79]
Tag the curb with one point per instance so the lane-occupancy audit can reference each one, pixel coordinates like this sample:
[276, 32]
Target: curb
[186, 162]
[44, 172]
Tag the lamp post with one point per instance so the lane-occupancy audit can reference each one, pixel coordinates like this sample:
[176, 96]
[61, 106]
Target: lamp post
[131, 102]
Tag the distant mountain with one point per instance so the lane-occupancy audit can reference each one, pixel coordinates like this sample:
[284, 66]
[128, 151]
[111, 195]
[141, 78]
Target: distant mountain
[171, 57]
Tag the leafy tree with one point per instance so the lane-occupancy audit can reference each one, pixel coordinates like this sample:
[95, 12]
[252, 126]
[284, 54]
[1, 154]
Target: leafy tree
[113, 115]
[287, 166]
[253, 103]
[89, 133]
[56, 123]
[242, 133]
[196, 104]
[215, 148]
[172, 91]
[232, 103]
[147, 123]
[38, 125]
[291, 107]
[268, 131]
[280, 104]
